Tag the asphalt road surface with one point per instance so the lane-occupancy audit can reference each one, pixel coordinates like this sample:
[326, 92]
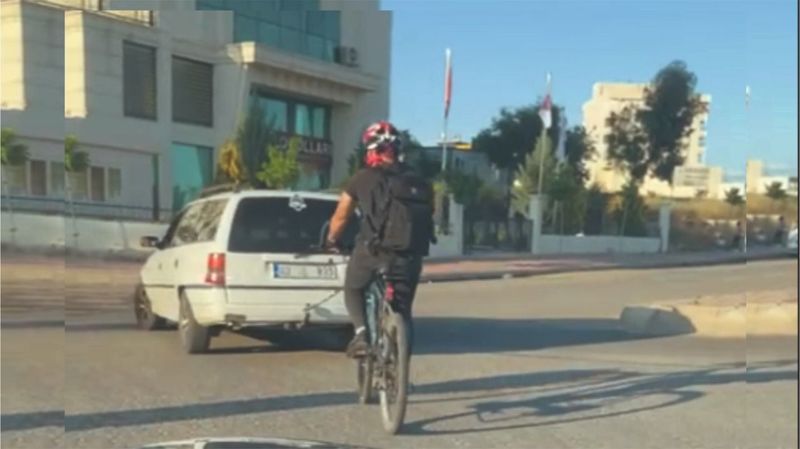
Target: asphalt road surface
[538, 362]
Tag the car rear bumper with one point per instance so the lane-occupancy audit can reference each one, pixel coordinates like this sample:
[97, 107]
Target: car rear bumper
[266, 307]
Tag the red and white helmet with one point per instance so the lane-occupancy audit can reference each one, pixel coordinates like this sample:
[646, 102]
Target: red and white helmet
[382, 136]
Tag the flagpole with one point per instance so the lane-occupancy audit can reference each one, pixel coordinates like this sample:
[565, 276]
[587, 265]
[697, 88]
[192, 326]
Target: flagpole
[542, 146]
[448, 78]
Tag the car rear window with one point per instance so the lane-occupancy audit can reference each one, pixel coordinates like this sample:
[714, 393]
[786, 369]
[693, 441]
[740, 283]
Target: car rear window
[283, 225]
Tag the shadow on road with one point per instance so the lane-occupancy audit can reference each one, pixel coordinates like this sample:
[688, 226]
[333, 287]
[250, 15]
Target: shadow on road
[460, 335]
[547, 398]
[602, 394]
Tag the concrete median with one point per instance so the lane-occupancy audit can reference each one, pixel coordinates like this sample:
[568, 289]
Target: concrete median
[766, 313]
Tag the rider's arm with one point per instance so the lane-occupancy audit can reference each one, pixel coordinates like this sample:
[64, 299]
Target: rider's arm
[344, 210]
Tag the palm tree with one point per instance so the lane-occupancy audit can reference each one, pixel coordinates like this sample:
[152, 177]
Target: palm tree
[734, 198]
[75, 161]
[776, 192]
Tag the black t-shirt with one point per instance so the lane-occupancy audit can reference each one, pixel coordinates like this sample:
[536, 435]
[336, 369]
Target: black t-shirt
[361, 187]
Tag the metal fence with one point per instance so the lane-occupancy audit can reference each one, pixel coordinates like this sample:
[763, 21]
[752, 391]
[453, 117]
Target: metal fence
[88, 209]
[506, 235]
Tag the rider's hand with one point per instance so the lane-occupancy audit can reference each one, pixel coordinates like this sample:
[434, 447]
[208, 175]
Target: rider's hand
[331, 245]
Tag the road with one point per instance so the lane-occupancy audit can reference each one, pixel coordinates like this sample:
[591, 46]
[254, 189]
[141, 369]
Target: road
[537, 362]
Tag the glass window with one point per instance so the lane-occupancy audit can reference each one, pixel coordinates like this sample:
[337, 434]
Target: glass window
[186, 230]
[269, 34]
[208, 222]
[139, 81]
[292, 40]
[17, 178]
[276, 113]
[97, 179]
[191, 171]
[245, 29]
[57, 178]
[330, 50]
[271, 225]
[79, 184]
[315, 46]
[192, 92]
[293, 19]
[319, 122]
[114, 183]
[38, 177]
[302, 120]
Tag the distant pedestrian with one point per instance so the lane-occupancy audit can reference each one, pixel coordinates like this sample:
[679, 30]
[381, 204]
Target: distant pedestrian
[780, 233]
[736, 242]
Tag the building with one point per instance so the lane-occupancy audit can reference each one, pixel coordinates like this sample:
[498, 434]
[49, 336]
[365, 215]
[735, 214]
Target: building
[461, 157]
[693, 179]
[151, 88]
[758, 179]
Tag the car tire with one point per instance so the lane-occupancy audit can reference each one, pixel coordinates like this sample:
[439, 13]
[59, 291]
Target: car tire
[195, 338]
[145, 318]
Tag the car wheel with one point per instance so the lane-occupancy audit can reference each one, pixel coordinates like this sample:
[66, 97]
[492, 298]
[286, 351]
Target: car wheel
[195, 338]
[145, 318]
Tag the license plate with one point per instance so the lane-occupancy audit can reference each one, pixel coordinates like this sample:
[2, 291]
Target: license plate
[298, 271]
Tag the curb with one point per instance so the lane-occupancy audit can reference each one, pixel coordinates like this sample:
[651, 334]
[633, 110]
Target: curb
[504, 274]
[739, 321]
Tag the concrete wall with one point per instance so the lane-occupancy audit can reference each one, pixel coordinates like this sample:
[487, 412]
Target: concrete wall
[452, 244]
[43, 232]
[555, 244]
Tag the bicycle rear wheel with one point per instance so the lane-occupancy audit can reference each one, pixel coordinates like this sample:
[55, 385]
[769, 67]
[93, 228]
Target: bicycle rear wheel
[394, 375]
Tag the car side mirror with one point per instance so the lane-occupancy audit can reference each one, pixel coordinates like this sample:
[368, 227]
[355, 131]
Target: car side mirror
[150, 242]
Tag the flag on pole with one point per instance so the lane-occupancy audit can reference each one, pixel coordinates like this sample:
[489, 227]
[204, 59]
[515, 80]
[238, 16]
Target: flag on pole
[747, 96]
[561, 150]
[544, 109]
[448, 83]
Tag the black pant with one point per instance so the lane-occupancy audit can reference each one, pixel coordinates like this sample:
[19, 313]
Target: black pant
[403, 272]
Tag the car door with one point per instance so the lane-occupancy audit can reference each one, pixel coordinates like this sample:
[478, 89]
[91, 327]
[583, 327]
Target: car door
[155, 278]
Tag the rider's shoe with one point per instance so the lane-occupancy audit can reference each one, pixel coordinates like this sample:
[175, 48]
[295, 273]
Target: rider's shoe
[358, 346]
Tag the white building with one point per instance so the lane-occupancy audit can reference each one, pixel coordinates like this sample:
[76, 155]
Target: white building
[151, 94]
[691, 179]
[758, 179]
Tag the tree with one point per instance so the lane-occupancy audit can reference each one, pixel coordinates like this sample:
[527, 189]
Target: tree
[776, 192]
[513, 135]
[12, 153]
[75, 161]
[670, 107]
[526, 181]
[229, 165]
[464, 187]
[596, 205]
[252, 137]
[734, 198]
[578, 148]
[627, 143]
[280, 170]
[650, 138]
[630, 213]
[568, 196]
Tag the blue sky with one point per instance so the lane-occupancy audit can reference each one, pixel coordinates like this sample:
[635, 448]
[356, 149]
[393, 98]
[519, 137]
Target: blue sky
[502, 50]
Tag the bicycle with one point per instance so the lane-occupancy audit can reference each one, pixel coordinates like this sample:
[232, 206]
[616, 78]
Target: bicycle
[385, 367]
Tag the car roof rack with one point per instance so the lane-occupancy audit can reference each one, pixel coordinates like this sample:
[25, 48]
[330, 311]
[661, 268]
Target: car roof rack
[221, 188]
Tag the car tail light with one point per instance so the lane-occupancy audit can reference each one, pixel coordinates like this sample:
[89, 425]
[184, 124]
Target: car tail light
[215, 275]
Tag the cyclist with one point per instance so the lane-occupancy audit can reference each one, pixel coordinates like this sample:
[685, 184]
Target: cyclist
[371, 189]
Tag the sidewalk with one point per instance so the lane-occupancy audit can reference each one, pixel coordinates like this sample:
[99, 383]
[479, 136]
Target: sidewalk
[758, 313]
[500, 266]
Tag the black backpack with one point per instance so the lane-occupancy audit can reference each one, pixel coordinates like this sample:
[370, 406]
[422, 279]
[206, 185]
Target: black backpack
[402, 216]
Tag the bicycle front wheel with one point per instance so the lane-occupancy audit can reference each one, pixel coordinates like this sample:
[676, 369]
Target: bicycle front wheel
[394, 382]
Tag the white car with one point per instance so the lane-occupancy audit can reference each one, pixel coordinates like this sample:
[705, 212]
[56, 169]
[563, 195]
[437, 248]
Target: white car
[244, 259]
[791, 241]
